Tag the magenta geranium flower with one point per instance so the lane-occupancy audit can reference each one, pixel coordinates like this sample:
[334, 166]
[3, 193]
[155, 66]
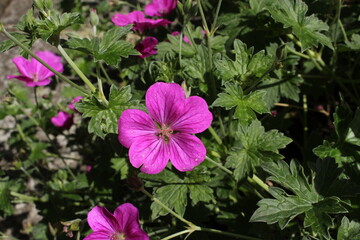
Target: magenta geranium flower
[122, 225]
[33, 73]
[138, 19]
[72, 104]
[166, 133]
[160, 8]
[62, 120]
[147, 47]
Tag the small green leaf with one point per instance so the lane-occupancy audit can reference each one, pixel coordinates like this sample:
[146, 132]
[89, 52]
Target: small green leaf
[354, 44]
[200, 193]
[104, 118]
[5, 203]
[246, 106]
[348, 230]
[110, 49]
[257, 147]
[306, 200]
[120, 165]
[50, 28]
[245, 64]
[173, 196]
[292, 13]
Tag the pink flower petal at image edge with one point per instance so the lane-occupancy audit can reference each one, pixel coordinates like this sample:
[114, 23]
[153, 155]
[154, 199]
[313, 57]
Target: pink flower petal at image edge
[166, 133]
[62, 120]
[138, 19]
[186, 39]
[123, 224]
[147, 47]
[160, 8]
[72, 104]
[33, 73]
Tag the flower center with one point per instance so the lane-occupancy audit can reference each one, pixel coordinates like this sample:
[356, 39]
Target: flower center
[35, 77]
[117, 236]
[164, 132]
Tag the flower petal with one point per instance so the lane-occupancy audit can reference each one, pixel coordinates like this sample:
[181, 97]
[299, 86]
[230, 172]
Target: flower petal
[152, 10]
[51, 59]
[22, 65]
[128, 218]
[100, 219]
[165, 102]
[149, 152]
[125, 19]
[134, 124]
[196, 116]
[21, 78]
[149, 24]
[186, 151]
[98, 235]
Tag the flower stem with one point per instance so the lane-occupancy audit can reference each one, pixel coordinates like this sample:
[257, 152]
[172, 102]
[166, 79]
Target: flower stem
[77, 70]
[206, 28]
[213, 27]
[240, 236]
[190, 224]
[27, 50]
[178, 234]
[219, 165]
[215, 135]
[260, 182]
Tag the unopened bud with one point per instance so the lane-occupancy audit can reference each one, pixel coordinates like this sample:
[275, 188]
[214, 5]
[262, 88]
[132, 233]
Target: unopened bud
[94, 18]
[39, 4]
[186, 89]
[2, 28]
[135, 183]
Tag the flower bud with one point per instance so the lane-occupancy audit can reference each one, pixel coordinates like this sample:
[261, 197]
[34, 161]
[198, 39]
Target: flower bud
[48, 4]
[39, 4]
[135, 182]
[94, 18]
[2, 29]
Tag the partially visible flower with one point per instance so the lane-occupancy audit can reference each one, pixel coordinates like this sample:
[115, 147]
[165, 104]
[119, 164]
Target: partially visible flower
[166, 133]
[122, 225]
[33, 73]
[62, 120]
[160, 8]
[176, 33]
[138, 19]
[72, 104]
[147, 47]
[186, 39]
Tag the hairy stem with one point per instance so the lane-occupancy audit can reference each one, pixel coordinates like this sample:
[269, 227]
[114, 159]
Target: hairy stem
[77, 70]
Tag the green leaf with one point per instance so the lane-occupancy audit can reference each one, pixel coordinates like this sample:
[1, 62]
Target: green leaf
[200, 193]
[306, 200]
[37, 151]
[104, 118]
[5, 202]
[246, 106]
[245, 64]
[173, 196]
[110, 49]
[292, 13]
[348, 230]
[354, 44]
[121, 166]
[257, 147]
[282, 209]
[50, 28]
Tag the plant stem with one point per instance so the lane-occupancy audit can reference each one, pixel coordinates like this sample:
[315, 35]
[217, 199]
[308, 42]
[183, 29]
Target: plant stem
[215, 135]
[105, 73]
[77, 70]
[296, 52]
[206, 28]
[305, 110]
[190, 224]
[219, 165]
[260, 182]
[240, 236]
[101, 91]
[178, 234]
[17, 42]
[343, 30]
[213, 27]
